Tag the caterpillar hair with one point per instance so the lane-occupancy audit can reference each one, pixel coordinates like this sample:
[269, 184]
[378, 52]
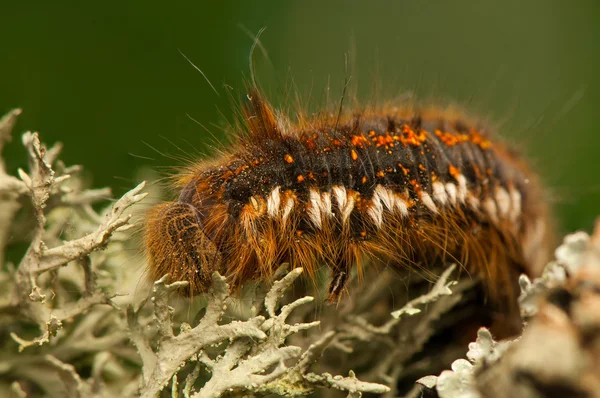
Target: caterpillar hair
[388, 185]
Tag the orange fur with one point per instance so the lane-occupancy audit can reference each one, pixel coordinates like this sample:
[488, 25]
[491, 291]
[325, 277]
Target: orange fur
[208, 229]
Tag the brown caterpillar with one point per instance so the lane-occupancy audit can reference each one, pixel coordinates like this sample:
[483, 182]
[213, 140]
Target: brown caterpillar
[407, 188]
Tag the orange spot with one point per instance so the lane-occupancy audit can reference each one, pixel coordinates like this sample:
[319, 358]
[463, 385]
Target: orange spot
[288, 158]
[411, 138]
[311, 176]
[353, 155]
[300, 178]
[384, 140]
[404, 169]
[454, 172]
[364, 180]
[416, 185]
[336, 142]
[447, 138]
[477, 139]
[310, 143]
[380, 174]
[359, 141]
[372, 133]
[421, 167]
[363, 234]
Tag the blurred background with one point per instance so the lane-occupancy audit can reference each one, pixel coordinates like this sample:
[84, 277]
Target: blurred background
[106, 77]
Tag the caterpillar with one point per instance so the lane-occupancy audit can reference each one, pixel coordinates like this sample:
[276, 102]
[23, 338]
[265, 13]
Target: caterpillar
[390, 185]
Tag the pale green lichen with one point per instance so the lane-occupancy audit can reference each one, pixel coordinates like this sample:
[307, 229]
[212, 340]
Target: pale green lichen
[557, 354]
[66, 285]
[77, 321]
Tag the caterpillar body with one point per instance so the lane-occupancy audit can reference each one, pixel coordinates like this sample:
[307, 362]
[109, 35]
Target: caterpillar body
[388, 185]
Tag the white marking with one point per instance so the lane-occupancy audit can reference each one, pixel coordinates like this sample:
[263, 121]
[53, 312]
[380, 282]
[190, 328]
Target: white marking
[473, 201]
[326, 204]
[287, 208]
[515, 201]
[462, 188]
[503, 201]
[376, 211]
[490, 208]
[340, 196]
[273, 202]
[344, 201]
[401, 205]
[347, 210]
[439, 193]
[386, 196]
[254, 203]
[314, 210]
[451, 190]
[428, 202]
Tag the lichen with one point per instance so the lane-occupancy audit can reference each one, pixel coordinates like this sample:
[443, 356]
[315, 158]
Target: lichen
[557, 354]
[77, 319]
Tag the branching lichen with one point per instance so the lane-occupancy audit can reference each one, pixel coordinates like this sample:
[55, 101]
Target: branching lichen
[76, 321]
[557, 354]
[67, 289]
[252, 354]
[40, 183]
[53, 288]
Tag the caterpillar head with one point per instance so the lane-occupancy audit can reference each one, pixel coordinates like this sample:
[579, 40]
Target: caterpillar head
[176, 244]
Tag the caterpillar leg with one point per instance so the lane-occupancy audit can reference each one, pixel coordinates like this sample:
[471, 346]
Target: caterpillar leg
[339, 274]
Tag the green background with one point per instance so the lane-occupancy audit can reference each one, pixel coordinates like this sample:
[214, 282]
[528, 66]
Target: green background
[106, 78]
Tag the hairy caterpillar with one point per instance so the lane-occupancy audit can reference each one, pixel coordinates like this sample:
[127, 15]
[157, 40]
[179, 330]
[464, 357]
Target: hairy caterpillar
[393, 185]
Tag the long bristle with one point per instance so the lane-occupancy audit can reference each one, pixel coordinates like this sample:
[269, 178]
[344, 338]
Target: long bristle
[390, 185]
